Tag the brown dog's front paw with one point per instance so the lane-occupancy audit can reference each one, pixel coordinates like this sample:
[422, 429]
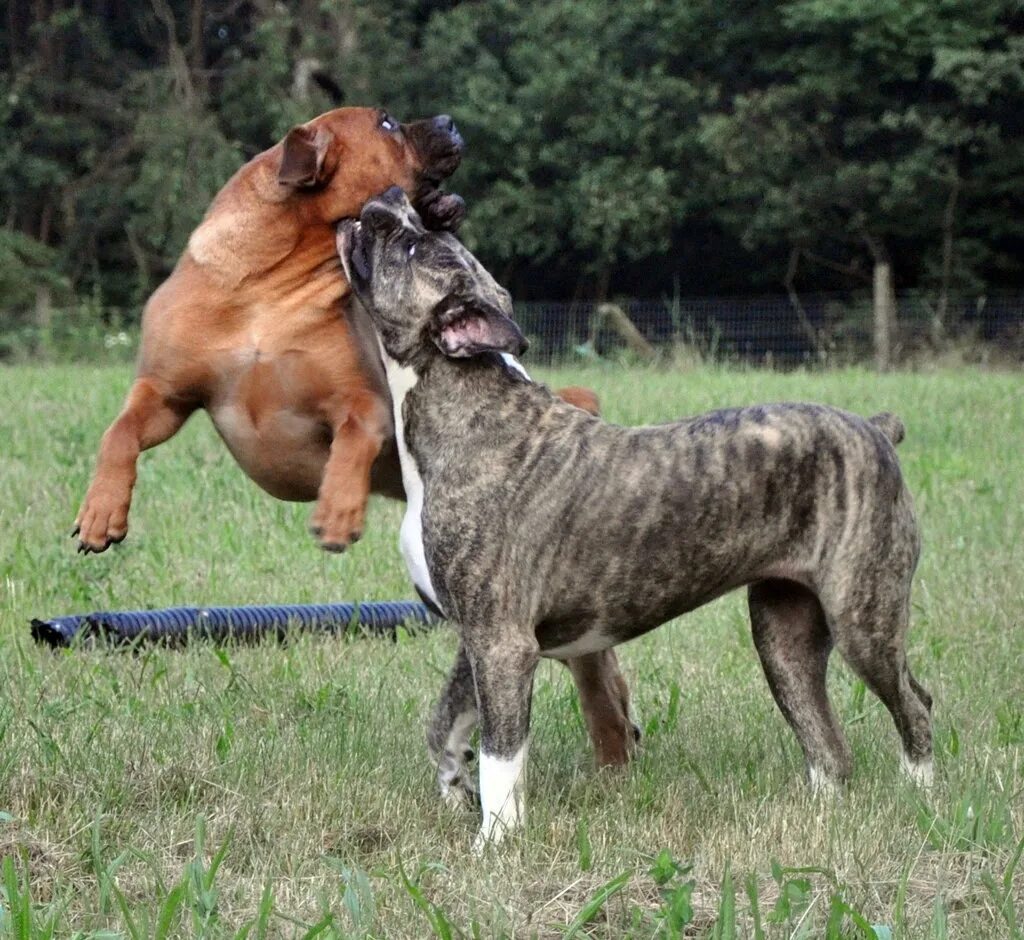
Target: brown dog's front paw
[102, 522]
[442, 212]
[337, 527]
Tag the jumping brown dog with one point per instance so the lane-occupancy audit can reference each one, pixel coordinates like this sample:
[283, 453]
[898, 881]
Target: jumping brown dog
[252, 326]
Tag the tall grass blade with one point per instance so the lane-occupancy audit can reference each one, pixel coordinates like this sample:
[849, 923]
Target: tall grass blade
[590, 910]
[435, 916]
[755, 906]
[725, 923]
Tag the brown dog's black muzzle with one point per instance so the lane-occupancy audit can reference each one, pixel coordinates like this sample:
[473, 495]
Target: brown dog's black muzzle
[439, 146]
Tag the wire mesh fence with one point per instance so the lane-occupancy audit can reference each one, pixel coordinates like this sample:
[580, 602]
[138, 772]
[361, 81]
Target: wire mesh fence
[814, 329]
[827, 329]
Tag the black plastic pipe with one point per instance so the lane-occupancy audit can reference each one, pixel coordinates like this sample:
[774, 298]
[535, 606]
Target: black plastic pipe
[176, 624]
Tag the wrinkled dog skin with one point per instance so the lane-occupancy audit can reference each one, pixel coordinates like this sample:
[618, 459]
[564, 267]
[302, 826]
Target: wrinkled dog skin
[545, 531]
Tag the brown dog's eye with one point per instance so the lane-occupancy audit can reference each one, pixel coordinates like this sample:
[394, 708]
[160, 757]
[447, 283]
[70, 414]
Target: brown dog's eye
[388, 123]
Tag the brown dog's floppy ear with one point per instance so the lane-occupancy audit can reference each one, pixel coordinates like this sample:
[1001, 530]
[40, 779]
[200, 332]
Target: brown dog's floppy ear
[302, 159]
[469, 328]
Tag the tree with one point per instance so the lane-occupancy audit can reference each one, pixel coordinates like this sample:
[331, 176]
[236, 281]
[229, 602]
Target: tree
[869, 126]
[580, 132]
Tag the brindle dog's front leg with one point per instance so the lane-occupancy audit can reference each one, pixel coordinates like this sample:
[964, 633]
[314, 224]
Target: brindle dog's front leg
[449, 731]
[503, 663]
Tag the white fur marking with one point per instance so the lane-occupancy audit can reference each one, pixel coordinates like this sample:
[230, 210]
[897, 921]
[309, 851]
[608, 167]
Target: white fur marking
[768, 435]
[401, 380]
[515, 365]
[502, 782]
[921, 772]
[821, 783]
[590, 642]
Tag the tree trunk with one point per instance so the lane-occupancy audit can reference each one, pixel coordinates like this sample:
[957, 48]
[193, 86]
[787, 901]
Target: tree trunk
[197, 46]
[794, 298]
[44, 310]
[618, 320]
[884, 302]
[885, 315]
[948, 222]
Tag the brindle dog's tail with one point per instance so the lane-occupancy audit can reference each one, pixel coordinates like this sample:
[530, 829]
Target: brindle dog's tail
[889, 425]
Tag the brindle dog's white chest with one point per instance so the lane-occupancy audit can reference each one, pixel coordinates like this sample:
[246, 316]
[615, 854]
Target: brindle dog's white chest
[401, 380]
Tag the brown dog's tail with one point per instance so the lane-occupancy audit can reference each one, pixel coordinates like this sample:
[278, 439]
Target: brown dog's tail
[889, 425]
[580, 397]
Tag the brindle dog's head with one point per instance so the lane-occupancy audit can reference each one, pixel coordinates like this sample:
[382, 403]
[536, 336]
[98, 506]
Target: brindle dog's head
[424, 290]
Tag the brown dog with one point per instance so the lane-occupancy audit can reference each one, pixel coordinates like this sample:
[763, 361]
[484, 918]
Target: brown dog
[251, 325]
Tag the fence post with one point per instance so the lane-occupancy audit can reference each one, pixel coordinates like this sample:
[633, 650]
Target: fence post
[885, 315]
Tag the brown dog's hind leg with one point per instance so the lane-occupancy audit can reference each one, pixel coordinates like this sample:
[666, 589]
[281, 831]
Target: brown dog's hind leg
[340, 512]
[604, 700]
[793, 641]
[149, 418]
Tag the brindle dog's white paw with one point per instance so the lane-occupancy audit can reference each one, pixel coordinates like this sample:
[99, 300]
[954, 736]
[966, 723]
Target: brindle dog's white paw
[921, 772]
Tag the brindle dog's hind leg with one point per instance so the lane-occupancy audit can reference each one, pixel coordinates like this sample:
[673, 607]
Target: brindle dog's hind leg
[604, 701]
[870, 636]
[449, 731]
[793, 641]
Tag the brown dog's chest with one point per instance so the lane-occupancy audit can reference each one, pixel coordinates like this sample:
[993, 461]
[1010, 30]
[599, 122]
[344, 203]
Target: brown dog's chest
[277, 396]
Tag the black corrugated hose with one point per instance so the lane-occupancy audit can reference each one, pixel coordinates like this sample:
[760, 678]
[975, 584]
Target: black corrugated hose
[178, 624]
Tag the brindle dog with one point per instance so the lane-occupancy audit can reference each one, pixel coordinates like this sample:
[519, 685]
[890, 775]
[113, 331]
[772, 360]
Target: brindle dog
[545, 531]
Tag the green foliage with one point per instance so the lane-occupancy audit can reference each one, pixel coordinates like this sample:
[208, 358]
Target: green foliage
[869, 128]
[184, 159]
[25, 266]
[583, 142]
[612, 147]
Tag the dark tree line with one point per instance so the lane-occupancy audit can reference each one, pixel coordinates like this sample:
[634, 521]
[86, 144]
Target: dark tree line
[702, 146]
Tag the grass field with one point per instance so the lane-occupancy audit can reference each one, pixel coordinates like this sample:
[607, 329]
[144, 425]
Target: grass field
[284, 790]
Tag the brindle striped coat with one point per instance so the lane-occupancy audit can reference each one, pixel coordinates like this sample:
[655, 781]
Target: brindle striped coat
[549, 532]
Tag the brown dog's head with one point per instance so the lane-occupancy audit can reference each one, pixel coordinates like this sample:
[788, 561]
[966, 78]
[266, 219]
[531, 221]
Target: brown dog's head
[344, 157]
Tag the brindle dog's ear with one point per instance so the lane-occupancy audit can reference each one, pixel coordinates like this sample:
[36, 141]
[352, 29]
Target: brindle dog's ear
[470, 327]
[303, 154]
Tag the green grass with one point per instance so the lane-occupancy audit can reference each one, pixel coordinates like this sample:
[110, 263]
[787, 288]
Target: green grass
[282, 790]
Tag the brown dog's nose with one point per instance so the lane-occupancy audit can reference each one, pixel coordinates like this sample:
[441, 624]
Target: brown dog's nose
[445, 126]
[439, 145]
